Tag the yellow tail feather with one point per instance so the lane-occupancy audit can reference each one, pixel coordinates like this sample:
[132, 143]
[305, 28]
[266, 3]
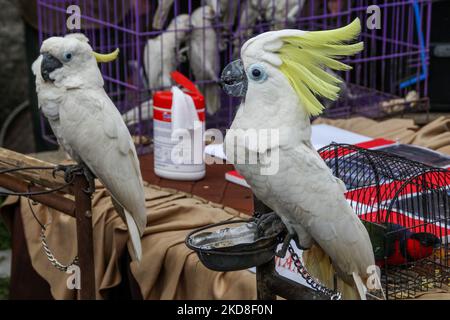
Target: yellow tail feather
[319, 266]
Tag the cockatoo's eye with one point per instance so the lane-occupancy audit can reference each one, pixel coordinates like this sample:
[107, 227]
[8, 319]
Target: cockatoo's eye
[68, 56]
[257, 73]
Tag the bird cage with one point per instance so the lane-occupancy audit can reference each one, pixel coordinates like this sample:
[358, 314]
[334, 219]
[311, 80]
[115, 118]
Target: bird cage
[200, 37]
[405, 207]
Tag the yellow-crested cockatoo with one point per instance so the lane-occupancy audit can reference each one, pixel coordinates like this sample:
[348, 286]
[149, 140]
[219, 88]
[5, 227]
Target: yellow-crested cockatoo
[280, 75]
[88, 126]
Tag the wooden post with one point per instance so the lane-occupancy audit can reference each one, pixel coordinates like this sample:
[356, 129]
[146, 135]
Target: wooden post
[263, 290]
[38, 180]
[85, 239]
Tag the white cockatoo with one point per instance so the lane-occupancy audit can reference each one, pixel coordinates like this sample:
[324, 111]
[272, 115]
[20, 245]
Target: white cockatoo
[160, 53]
[277, 12]
[88, 126]
[225, 10]
[204, 56]
[161, 13]
[279, 76]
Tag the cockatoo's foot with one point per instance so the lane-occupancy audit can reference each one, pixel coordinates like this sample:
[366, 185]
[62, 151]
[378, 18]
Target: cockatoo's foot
[90, 179]
[269, 224]
[286, 242]
[70, 171]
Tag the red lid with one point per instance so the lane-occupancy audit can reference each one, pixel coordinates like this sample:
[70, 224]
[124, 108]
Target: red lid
[185, 82]
[163, 99]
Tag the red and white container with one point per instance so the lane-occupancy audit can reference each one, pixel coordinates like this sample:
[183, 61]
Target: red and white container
[164, 145]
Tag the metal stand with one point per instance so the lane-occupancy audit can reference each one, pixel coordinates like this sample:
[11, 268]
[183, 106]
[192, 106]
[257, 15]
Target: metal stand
[270, 284]
[81, 208]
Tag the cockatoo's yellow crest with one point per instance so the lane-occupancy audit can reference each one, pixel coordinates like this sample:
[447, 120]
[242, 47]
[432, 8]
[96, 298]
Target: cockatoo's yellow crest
[105, 58]
[305, 56]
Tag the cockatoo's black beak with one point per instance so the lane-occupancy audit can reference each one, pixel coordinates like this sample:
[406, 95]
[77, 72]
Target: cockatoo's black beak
[49, 64]
[234, 80]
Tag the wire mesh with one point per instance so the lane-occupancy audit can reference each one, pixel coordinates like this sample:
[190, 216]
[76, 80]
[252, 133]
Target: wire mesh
[404, 205]
[199, 37]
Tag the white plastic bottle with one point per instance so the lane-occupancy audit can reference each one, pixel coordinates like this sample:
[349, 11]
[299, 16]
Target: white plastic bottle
[165, 166]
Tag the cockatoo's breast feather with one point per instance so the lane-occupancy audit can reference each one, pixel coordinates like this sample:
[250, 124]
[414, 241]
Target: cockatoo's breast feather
[94, 129]
[87, 124]
[305, 193]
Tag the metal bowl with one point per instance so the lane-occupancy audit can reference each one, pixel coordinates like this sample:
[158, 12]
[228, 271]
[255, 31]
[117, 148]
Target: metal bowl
[232, 245]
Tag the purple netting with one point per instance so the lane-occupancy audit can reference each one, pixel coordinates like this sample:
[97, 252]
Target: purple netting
[394, 54]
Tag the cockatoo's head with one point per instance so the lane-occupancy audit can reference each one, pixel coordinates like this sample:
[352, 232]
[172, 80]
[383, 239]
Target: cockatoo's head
[70, 62]
[286, 69]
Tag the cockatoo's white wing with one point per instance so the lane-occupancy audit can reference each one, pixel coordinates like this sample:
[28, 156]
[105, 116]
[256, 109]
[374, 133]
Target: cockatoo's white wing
[283, 12]
[204, 56]
[153, 63]
[203, 45]
[93, 127]
[316, 202]
[160, 58]
[225, 9]
[161, 13]
[248, 16]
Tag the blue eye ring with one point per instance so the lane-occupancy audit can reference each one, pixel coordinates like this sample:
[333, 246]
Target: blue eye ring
[257, 73]
[68, 56]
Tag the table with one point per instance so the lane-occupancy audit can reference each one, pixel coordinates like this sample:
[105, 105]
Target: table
[213, 187]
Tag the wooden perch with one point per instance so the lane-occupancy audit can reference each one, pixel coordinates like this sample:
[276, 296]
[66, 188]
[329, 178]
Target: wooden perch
[35, 181]
[78, 206]
[11, 160]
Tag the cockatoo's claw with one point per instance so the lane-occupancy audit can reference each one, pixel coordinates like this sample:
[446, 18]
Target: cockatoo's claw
[269, 224]
[287, 240]
[90, 179]
[54, 171]
[79, 169]
[69, 171]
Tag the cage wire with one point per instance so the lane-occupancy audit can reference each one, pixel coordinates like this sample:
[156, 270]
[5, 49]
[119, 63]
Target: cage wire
[200, 37]
[405, 207]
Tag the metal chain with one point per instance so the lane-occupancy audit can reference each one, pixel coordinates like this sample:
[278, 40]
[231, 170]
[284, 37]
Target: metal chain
[51, 257]
[334, 295]
[45, 246]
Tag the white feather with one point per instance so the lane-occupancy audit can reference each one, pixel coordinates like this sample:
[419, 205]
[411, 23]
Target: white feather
[90, 128]
[161, 13]
[160, 53]
[134, 235]
[303, 191]
[204, 56]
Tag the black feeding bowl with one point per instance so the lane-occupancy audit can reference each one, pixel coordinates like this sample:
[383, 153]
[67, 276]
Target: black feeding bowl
[232, 245]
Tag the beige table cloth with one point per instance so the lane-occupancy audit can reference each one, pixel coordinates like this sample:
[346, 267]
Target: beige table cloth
[169, 270]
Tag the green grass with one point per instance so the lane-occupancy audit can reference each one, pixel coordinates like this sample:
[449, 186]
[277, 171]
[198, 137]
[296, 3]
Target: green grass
[4, 289]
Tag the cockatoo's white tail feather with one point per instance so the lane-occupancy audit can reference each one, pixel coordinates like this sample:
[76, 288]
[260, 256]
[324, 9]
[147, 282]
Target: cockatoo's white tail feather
[362, 290]
[134, 235]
